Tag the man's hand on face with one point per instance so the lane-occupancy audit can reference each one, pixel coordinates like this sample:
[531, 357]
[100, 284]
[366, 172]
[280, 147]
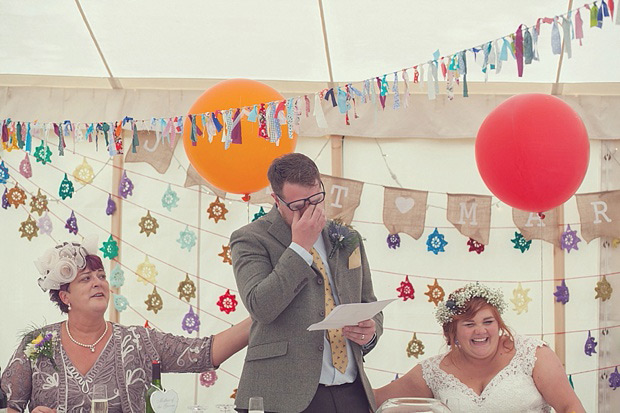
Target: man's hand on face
[307, 227]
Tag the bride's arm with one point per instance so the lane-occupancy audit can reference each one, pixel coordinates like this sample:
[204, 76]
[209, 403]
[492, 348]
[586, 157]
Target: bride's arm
[411, 384]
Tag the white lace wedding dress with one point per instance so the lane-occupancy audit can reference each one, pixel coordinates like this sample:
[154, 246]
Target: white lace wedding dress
[511, 390]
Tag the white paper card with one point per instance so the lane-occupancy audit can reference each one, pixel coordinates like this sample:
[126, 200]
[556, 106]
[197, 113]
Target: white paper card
[164, 401]
[350, 314]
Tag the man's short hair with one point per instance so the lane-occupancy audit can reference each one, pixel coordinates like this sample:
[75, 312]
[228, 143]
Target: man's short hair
[294, 168]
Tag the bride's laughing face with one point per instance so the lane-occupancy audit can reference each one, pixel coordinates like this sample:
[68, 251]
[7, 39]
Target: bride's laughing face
[478, 337]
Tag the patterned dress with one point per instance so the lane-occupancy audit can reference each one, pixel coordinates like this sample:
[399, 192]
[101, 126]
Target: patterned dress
[124, 366]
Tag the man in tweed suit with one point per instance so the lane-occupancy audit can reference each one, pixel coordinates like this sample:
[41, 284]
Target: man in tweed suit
[286, 276]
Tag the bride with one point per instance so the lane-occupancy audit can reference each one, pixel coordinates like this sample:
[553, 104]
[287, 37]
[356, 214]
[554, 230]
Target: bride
[487, 369]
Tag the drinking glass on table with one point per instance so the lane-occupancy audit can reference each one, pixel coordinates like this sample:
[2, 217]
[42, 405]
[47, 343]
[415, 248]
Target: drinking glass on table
[99, 399]
[256, 405]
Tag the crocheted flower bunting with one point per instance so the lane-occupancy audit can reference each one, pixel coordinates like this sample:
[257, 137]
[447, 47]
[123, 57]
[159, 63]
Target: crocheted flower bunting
[154, 301]
[71, 224]
[415, 347]
[146, 272]
[45, 225]
[225, 254]
[208, 378]
[125, 186]
[406, 290]
[590, 346]
[603, 289]
[5, 199]
[110, 248]
[520, 243]
[110, 208]
[187, 239]
[28, 228]
[227, 302]
[38, 203]
[393, 241]
[475, 246]
[436, 242]
[169, 199]
[148, 225]
[569, 239]
[120, 302]
[146, 324]
[217, 210]
[25, 168]
[65, 190]
[234, 394]
[190, 322]
[614, 379]
[83, 173]
[561, 293]
[435, 293]
[615, 242]
[520, 299]
[261, 213]
[43, 153]
[187, 289]
[4, 173]
[117, 276]
[16, 196]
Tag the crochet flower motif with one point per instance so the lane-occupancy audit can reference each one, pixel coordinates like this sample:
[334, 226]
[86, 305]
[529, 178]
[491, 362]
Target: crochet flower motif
[415, 347]
[614, 379]
[406, 290]
[25, 168]
[569, 240]
[187, 289]
[147, 272]
[154, 301]
[148, 225]
[28, 228]
[217, 210]
[590, 346]
[110, 208]
[225, 254]
[261, 213]
[71, 224]
[38, 203]
[561, 293]
[110, 248]
[393, 241]
[4, 173]
[208, 378]
[16, 196]
[520, 299]
[169, 199]
[5, 200]
[190, 322]
[603, 289]
[227, 302]
[65, 190]
[120, 302]
[43, 153]
[117, 276]
[45, 224]
[435, 293]
[475, 246]
[520, 243]
[125, 186]
[187, 239]
[83, 173]
[436, 242]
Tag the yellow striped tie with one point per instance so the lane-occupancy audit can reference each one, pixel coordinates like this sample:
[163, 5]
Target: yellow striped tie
[336, 338]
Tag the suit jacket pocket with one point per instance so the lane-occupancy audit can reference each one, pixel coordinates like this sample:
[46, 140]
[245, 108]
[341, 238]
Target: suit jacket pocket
[266, 351]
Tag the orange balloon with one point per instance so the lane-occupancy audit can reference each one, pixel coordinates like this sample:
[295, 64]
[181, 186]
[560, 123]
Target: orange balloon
[242, 168]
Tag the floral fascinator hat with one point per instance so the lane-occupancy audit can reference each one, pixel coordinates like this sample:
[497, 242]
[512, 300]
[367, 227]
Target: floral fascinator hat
[455, 304]
[60, 265]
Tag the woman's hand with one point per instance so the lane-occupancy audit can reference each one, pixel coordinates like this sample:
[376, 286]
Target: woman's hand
[43, 409]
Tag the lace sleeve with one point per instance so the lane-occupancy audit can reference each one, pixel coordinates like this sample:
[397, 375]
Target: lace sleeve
[431, 373]
[17, 379]
[526, 352]
[182, 354]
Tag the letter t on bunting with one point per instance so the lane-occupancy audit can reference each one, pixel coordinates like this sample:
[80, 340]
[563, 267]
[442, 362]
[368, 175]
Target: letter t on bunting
[600, 214]
[470, 215]
[404, 210]
[342, 197]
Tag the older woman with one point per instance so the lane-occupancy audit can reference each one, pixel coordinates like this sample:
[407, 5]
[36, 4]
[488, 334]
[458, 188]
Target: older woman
[487, 369]
[56, 367]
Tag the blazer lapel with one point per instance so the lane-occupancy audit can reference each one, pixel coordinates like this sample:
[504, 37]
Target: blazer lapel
[279, 229]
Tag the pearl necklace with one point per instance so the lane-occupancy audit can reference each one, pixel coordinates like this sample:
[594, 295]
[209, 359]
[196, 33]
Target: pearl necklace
[90, 346]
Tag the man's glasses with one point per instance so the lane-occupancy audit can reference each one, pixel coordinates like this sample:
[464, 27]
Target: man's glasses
[300, 204]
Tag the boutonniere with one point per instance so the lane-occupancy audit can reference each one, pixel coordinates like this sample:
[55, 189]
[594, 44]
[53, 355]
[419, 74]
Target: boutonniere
[341, 236]
[39, 344]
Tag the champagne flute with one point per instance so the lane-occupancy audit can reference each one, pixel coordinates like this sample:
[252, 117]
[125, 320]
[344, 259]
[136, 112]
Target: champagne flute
[99, 399]
[256, 405]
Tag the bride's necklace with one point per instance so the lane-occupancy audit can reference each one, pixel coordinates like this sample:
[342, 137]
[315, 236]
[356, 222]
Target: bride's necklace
[90, 346]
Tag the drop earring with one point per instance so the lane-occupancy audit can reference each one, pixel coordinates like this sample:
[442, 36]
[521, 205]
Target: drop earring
[69, 306]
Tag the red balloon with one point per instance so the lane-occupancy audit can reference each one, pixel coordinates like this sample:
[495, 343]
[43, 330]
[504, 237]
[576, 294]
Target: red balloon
[532, 152]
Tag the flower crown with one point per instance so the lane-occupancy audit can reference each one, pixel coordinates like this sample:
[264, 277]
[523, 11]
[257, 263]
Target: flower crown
[60, 265]
[454, 305]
